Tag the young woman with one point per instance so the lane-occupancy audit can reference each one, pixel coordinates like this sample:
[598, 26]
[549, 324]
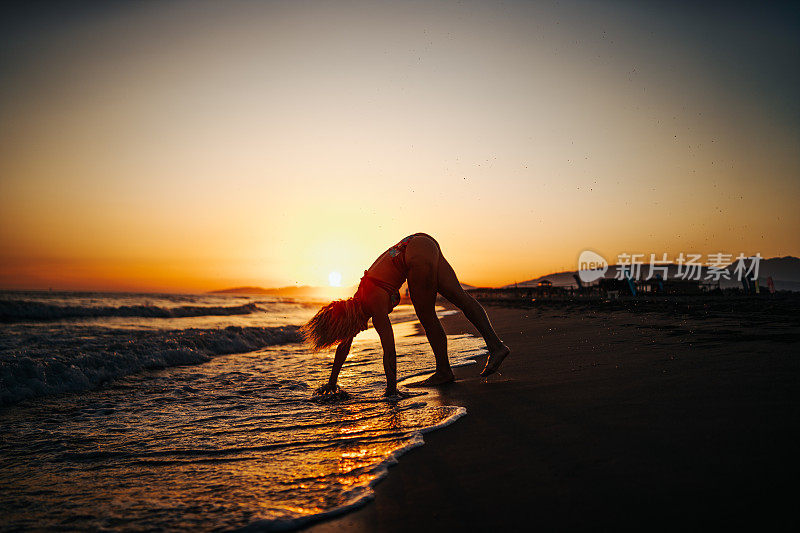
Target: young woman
[418, 259]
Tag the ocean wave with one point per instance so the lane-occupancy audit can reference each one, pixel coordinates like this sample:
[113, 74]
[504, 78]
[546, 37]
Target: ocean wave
[32, 311]
[72, 363]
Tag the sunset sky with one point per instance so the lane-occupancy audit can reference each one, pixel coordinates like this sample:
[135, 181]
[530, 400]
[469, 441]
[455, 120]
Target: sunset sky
[192, 146]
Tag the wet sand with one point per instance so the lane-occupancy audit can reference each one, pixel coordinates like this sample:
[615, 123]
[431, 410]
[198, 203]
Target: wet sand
[611, 418]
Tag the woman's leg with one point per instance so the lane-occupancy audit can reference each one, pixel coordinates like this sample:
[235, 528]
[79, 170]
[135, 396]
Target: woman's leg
[450, 288]
[422, 258]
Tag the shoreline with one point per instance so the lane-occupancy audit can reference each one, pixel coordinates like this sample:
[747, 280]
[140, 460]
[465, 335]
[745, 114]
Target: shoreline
[608, 419]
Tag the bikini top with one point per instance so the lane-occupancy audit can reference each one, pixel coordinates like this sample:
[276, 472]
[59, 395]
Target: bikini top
[398, 257]
[391, 290]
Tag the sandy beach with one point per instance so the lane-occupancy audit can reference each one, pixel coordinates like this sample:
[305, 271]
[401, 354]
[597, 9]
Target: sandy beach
[608, 417]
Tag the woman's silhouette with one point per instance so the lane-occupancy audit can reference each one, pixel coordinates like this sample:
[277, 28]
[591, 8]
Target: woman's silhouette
[418, 259]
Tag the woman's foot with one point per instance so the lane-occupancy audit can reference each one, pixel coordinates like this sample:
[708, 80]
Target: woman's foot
[438, 378]
[495, 359]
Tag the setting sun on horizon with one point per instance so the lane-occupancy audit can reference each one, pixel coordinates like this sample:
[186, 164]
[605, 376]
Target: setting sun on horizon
[198, 146]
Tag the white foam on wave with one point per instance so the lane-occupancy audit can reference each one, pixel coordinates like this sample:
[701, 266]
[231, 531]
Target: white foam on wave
[35, 311]
[75, 364]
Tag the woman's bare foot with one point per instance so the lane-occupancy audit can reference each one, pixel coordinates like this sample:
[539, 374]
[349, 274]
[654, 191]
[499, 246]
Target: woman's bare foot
[495, 359]
[438, 378]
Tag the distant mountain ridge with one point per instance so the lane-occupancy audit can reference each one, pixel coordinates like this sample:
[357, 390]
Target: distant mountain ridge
[293, 291]
[785, 268]
[302, 291]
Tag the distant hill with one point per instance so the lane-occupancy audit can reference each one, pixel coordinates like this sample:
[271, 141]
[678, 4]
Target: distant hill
[302, 291]
[780, 268]
[306, 291]
[785, 272]
[242, 290]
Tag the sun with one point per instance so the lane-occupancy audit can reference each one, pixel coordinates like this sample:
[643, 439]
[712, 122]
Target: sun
[335, 279]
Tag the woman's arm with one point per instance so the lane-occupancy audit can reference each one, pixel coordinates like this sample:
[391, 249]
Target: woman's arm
[338, 360]
[384, 328]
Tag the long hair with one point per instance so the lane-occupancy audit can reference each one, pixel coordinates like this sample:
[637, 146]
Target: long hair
[334, 323]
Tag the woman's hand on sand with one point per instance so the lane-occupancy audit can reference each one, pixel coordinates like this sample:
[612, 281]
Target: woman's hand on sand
[328, 388]
[329, 393]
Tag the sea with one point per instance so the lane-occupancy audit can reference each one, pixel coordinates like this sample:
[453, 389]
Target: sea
[177, 412]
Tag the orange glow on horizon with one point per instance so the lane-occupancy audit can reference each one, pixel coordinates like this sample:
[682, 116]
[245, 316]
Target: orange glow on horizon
[186, 149]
